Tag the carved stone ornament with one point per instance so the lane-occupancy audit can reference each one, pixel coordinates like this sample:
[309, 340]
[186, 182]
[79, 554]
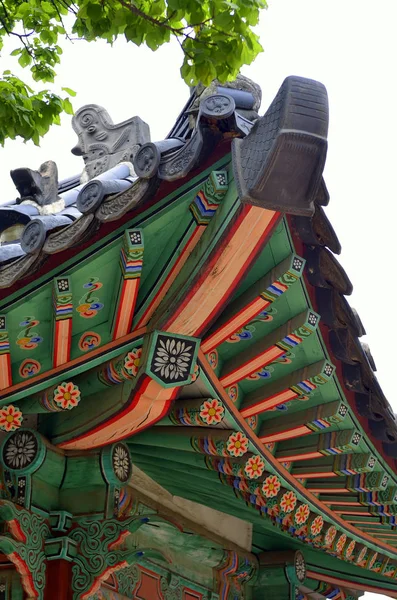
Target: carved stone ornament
[33, 236]
[220, 106]
[241, 83]
[39, 186]
[181, 163]
[103, 144]
[69, 236]
[9, 274]
[147, 161]
[279, 165]
[116, 207]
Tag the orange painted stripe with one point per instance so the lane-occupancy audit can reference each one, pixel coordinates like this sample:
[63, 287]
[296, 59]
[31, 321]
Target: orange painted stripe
[318, 475]
[234, 324]
[271, 402]
[128, 298]
[5, 371]
[369, 523]
[177, 267]
[352, 512]
[286, 435]
[329, 490]
[62, 342]
[303, 456]
[349, 583]
[252, 366]
[149, 403]
[343, 503]
[223, 272]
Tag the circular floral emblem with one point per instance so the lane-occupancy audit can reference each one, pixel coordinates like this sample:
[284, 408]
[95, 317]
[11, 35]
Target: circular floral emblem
[302, 514]
[212, 411]
[237, 444]
[132, 361]
[340, 544]
[67, 395]
[350, 549]
[330, 536]
[10, 418]
[317, 525]
[89, 340]
[288, 502]
[29, 367]
[254, 467]
[233, 393]
[20, 450]
[121, 462]
[172, 359]
[271, 486]
[252, 421]
[213, 359]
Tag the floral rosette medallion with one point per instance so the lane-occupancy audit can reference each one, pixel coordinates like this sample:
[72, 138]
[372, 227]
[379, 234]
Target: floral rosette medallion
[67, 395]
[302, 514]
[237, 444]
[340, 544]
[271, 486]
[317, 526]
[288, 502]
[132, 361]
[350, 549]
[254, 467]
[10, 418]
[212, 412]
[330, 536]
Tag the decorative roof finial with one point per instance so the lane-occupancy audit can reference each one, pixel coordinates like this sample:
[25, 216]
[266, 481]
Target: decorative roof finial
[102, 144]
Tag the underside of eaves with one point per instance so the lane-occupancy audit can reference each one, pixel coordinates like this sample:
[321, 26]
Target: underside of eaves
[187, 411]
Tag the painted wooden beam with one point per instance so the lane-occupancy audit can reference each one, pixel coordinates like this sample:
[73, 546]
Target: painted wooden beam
[131, 262]
[148, 403]
[254, 301]
[343, 464]
[200, 299]
[203, 209]
[303, 422]
[167, 364]
[364, 482]
[213, 442]
[273, 346]
[197, 412]
[300, 383]
[5, 357]
[63, 319]
[345, 441]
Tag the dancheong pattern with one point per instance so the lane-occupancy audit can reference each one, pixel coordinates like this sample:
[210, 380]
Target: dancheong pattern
[89, 304]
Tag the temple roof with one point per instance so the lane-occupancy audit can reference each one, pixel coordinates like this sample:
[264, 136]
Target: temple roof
[212, 248]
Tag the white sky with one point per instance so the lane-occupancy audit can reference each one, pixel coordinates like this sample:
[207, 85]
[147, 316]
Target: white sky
[350, 46]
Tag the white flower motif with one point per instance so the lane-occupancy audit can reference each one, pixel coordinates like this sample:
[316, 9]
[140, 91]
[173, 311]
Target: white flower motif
[300, 566]
[173, 359]
[121, 463]
[20, 450]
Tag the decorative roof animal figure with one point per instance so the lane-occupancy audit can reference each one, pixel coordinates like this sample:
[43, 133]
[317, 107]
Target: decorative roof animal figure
[102, 144]
[40, 187]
